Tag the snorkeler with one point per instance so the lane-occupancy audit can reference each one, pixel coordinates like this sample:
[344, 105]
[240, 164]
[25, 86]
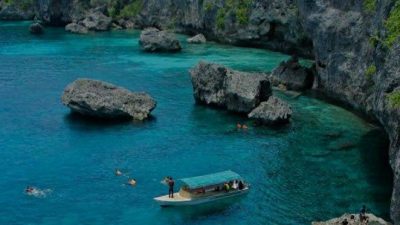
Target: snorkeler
[29, 190]
[118, 172]
[132, 182]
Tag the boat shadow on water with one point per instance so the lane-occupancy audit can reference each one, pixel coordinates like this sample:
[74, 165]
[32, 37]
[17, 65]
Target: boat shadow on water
[195, 212]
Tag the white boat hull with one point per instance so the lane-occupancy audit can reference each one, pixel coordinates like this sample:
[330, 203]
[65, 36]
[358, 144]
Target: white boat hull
[181, 201]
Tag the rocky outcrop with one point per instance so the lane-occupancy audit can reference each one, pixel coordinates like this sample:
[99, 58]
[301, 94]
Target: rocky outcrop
[292, 75]
[36, 28]
[274, 111]
[354, 219]
[236, 91]
[154, 40]
[197, 39]
[96, 21]
[103, 100]
[76, 28]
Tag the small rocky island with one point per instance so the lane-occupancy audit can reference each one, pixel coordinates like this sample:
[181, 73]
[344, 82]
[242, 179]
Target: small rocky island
[155, 40]
[99, 99]
[241, 92]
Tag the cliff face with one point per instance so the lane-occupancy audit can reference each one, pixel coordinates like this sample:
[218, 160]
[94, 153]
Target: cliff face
[358, 66]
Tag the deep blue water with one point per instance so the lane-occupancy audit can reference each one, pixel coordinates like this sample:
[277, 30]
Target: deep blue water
[297, 172]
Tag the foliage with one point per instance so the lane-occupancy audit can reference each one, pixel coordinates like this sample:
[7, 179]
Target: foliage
[220, 20]
[369, 5]
[132, 9]
[208, 6]
[394, 99]
[22, 4]
[239, 8]
[392, 25]
[371, 70]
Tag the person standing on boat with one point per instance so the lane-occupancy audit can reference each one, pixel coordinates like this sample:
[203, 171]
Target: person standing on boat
[171, 183]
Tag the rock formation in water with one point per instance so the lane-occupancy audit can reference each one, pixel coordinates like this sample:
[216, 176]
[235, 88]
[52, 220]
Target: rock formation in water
[76, 28]
[197, 39]
[274, 111]
[36, 28]
[241, 92]
[154, 40]
[293, 76]
[236, 91]
[103, 100]
[373, 220]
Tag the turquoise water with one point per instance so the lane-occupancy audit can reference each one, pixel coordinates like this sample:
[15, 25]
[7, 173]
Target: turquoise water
[298, 173]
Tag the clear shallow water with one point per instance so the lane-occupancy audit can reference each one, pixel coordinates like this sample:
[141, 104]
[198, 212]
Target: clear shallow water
[297, 172]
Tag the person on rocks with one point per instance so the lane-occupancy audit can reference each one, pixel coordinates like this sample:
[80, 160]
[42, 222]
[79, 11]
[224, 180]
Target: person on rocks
[345, 222]
[171, 184]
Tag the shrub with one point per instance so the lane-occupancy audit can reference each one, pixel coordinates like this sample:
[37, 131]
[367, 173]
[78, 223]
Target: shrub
[371, 70]
[132, 9]
[220, 20]
[369, 5]
[394, 99]
[392, 25]
[208, 6]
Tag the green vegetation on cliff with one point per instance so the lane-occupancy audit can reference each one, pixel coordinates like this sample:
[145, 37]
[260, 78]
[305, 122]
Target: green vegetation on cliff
[132, 9]
[392, 25]
[121, 9]
[371, 70]
[369, 5]
[394, 99]
[220, 20]
[239, 8]
[22, 4]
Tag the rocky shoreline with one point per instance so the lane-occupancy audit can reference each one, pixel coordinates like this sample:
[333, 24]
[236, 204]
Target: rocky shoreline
[357, 56]
[354, 219]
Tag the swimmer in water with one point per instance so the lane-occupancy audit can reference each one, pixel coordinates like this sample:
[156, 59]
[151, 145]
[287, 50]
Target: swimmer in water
[244, 126]
[132, 182]
[29, 189]
[118, 172]
[239, 126]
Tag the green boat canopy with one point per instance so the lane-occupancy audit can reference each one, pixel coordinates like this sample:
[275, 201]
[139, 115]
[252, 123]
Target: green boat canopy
[210, 179]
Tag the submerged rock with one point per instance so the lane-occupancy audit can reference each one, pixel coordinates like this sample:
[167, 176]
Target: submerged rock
[272, 112]
[373, 220]
[76, 28]
[154, 40]
[104, 100]
[198, 39]
[292, 75]
[36, 28]
[237, 91]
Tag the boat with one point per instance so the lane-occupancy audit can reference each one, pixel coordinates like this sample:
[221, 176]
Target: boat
[206, 188]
